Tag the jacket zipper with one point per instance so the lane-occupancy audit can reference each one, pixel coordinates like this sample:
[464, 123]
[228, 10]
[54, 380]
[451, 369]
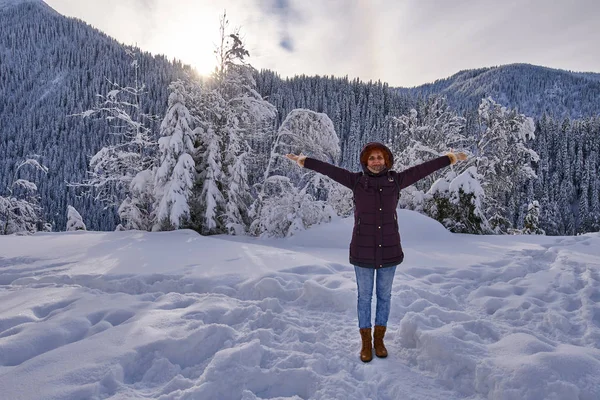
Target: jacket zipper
[358, 227]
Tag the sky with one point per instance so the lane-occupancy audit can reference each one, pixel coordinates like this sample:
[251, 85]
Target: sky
[402, 42]
[175, 315]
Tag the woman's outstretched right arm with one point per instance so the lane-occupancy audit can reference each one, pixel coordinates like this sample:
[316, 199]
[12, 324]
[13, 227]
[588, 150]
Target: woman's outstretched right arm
[338, 174]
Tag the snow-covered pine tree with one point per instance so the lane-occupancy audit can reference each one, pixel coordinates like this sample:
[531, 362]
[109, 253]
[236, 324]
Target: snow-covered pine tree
[131, 148]
[137, 210]
[456, 202]
[532, 220]
[503, 158]
[19, 208]
[208, 200]
[230, 114]
[74, 220]
[594, 195]
[175, 175]
[248, 118]
[428, 131]
[301, 193]
[583, 210]
[288, 209]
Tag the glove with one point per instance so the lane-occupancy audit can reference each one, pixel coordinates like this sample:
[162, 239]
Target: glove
[298, 159]
[455, 157]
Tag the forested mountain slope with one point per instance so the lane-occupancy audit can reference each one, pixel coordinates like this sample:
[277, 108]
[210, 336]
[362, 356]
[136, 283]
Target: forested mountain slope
[534, 90]
[52, 67]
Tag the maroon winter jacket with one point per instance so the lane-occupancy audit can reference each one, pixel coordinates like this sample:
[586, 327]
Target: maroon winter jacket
[375, 237]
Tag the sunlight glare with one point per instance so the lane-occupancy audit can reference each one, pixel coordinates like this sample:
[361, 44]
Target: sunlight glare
[203, 60]
[192, 38]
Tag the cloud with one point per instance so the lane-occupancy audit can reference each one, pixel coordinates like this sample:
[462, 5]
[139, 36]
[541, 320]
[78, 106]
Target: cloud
[278, 7]
[283, 13]
[287, 43]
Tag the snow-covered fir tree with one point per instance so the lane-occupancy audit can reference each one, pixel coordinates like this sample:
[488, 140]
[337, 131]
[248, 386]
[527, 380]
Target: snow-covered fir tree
[297, 196]
[503, 158]
[74, 220]
[456, 201]
[20, 210]
[131, 150]
[245, 122]
[288, 209]
[137, 210]
[175, 175]
[208, 200]
[230, 113]
[532, 220]
[426, 132]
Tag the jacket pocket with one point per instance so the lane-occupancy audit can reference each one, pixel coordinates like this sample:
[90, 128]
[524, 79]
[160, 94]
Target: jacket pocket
[358, 227]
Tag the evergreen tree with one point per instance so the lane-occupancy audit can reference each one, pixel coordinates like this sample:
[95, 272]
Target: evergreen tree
[114, 167]
[423, 135]
[74, 220]
[230, 114]
[532, 223]
[19, 208]
[456, 201]
[175, 174]
[137, 210]
[306, 204]
[209, 201]
[503, 158]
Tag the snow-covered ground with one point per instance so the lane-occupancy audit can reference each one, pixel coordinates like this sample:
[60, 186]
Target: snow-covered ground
[174, 315]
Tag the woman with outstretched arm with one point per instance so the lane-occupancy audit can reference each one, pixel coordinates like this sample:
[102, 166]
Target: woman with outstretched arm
[375, 249]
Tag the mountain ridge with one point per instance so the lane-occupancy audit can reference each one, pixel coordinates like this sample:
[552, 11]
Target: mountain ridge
[595, 76]
[4, 4]
[532, 89]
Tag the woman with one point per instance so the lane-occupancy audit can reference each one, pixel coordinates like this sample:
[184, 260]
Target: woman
[375, 244]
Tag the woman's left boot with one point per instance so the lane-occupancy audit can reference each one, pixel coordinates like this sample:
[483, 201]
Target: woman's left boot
[380, 350]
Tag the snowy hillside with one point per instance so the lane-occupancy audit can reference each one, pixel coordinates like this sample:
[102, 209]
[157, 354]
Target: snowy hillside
[532, 89]
[174, 315]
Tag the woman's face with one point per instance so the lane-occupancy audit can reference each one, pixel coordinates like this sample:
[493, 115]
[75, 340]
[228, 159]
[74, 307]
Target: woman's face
[376, 161]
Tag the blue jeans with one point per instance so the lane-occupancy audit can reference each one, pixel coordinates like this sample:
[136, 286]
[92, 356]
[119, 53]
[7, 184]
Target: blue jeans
[364, 282]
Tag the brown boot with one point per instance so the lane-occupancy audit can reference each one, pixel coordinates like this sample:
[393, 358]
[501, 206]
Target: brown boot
[366, 353]
[380, 350]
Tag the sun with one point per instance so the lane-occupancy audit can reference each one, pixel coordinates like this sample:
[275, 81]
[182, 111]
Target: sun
[197, 53]
[193, 34]
[191, 40]
[204, 63]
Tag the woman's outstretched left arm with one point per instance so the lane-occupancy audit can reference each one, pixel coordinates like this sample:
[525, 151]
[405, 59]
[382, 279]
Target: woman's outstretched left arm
[418, 172]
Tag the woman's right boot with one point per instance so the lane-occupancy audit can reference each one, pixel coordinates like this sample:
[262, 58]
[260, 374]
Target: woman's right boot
[366, 352]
